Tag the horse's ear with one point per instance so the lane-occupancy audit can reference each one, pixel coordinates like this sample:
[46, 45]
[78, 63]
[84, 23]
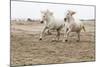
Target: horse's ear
[73, 12]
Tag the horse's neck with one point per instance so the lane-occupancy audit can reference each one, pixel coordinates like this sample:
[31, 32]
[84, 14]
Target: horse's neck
[71, 19]
[75, 19]
[50, 19]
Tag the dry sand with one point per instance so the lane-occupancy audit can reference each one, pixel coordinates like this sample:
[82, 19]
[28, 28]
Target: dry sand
[26, 49]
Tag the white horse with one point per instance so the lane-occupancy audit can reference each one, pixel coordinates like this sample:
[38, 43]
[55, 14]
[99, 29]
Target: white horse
[71, 25]
[51, 23]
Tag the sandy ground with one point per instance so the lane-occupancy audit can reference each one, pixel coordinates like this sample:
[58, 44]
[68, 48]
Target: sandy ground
[27, 49]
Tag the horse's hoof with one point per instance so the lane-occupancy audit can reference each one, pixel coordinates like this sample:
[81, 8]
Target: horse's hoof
[40, 39]
[65, 40]
[78, 40]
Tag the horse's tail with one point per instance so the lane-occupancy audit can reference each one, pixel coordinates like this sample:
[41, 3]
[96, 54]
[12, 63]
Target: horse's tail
[83, 27]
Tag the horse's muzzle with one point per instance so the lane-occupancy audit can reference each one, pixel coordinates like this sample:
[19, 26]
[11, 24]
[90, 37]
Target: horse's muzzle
[41, 21]
[65, 19]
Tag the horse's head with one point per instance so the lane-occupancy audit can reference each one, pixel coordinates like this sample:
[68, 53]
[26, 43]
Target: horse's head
[69, 15]
[45, 16]
[71, 12]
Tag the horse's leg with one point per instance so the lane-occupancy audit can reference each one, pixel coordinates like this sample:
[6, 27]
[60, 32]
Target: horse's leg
[66, 34]
[58, 34]
[65, 30]
[78, 35]
[83, 28]
[42, 32]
